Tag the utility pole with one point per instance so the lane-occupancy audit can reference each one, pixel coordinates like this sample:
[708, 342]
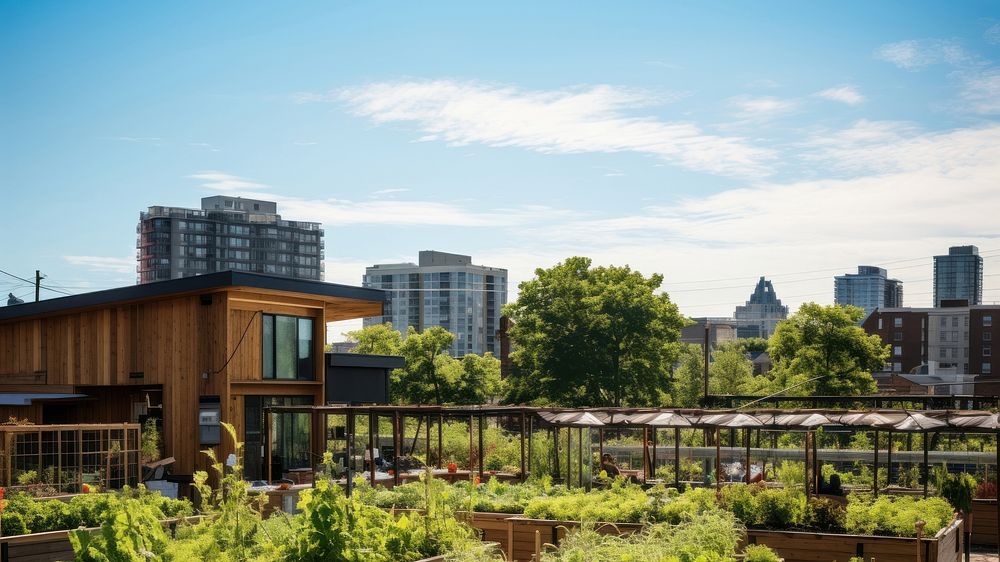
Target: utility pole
[38, 283]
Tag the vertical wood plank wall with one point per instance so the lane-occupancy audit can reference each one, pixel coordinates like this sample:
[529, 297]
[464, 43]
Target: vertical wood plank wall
[171, 342]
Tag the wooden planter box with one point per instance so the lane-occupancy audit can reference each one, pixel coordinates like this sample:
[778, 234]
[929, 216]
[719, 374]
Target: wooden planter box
[796, 546]
[50, 546]
[984, 522]
[521, 543]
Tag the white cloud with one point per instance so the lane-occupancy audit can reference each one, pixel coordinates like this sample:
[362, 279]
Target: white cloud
[103, 263]
[992, 34]
[935, 190]
[764, 107]
[981, 91]
[843, 94]
[222, 181]
[915, 54]
[576, 120]
[390, 191]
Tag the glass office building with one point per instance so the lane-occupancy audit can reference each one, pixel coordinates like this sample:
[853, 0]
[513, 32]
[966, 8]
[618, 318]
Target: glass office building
[869, 288]
[444, 290]
[959, 276]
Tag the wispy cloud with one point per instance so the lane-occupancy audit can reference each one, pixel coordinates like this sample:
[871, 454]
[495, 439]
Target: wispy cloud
[981, 90]
[137, 140]
[762, 108]
[573, 120]
[222, 181]
[992, 34]
[103, 263]
[207, 146]
[843, 94]
[916, 54]
[305, 143]
[390, 191]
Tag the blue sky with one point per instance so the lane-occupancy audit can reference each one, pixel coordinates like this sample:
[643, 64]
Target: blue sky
[710, 142]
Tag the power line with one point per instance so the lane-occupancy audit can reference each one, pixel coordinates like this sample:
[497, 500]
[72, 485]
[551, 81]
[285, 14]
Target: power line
[792, 273]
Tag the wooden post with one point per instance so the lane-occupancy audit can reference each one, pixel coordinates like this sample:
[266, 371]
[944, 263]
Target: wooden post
[555, 451]
[471, 420]
[653, 468]
[875, 470]
[746, 435]
[482, 422]
[569, 457]
[920, 539]
[580, 446]
[888, 460]
[645, 454]
[531, 426]
[106, 449]
[523, 436]
[440, 459]
[395, 448]
[372, 424]
[600, 443]
[927, 475]
[816, 466]
[349, 452]
[718, 459]
[79, 456]
[806, 463]
[427, 449]
[677, 457]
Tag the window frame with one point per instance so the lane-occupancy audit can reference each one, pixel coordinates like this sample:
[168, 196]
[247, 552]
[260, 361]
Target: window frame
[272, 374]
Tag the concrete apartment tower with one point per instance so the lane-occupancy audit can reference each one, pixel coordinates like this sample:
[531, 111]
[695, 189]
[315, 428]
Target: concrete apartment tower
[959, 276]
[869, 288]
[227, 233]
[444, 290]
[759, 316]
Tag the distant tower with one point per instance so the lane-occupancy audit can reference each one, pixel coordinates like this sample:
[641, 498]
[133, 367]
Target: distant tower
[869, 288]
[959, 276]
[758, 317]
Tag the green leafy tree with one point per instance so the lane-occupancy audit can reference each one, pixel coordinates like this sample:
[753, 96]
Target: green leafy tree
[425, 352]
[481, 382]
[689, 377]
[730, 372]
[827, 344]
[381, 339]
[597, 336]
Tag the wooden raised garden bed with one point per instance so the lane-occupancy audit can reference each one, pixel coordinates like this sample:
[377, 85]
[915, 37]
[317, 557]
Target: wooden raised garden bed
[795, 546]
[53, 546]
[521, 543]
[984, 522]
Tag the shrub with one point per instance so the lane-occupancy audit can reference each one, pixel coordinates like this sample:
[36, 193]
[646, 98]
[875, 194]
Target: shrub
[824, 515]
[896, 516]
[759, 553]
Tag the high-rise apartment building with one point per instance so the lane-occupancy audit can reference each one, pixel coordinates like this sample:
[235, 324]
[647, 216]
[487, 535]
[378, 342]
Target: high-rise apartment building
[958, 276]
[227, 233]
[444, 290]
[761, 314]
[869, 288]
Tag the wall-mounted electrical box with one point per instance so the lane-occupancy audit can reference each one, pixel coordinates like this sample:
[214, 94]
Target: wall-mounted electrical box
[209, 418]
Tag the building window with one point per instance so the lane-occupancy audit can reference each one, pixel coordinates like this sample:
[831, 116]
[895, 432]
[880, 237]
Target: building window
[288, 348]
[987, 320]
[987, 351]
[897, 322]
[897, 336]
[897, 350]
[987, 368]
[987, 336]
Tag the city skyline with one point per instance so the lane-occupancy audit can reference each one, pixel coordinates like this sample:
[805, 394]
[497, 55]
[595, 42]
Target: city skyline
[711, 150]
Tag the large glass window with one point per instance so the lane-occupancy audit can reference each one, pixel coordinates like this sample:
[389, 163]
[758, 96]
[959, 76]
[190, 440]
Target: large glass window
[288, 347]
[289, 436]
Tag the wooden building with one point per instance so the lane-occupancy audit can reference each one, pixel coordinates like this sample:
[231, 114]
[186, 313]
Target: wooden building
[193, 352]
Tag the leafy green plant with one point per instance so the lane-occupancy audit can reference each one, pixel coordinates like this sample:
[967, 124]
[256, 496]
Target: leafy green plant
[759, 553]
[149, 446]
[958, 489]
[895, 515]
[130, 531]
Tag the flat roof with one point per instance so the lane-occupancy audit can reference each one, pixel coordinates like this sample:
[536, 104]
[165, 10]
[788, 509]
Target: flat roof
[197, 284]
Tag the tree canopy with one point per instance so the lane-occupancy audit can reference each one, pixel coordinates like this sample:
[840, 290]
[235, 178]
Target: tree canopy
[730, 372]
[592, 336]
[826, 343]
[431, 376]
